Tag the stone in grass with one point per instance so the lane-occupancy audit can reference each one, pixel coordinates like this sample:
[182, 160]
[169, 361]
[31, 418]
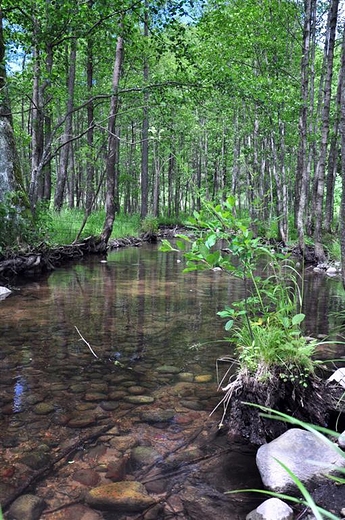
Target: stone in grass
[271, 509]
[26, 507]
[124, 496]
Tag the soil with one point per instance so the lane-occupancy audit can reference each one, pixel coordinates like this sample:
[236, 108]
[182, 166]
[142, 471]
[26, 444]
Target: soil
[312, 403]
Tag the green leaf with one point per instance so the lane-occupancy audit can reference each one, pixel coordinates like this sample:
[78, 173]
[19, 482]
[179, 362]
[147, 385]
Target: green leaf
[298, 318]
[229, 324]
[211, 240]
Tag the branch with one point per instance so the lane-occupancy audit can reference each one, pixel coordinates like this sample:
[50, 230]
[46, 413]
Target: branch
[88, 344]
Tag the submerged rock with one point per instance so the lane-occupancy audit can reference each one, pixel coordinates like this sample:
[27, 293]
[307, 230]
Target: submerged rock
[125, 496]
[143, 455]
[168, 369]
[306, 455]
[26, 507]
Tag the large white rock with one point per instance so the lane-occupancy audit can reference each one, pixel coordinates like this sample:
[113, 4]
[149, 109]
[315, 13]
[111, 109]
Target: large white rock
[338, 376]
[305, 454]
[4, 292]
[271, 509]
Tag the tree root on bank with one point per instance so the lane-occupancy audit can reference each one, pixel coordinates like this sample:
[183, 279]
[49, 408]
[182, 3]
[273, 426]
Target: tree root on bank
[309, 401]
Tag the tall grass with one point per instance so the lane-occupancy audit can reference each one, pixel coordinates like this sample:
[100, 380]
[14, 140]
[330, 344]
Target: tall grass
[60, 228]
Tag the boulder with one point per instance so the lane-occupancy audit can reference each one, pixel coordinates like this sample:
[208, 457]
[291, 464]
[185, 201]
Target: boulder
[4, 292]
[124, 496]
[338, 376]
[308, 456]
[271, 509]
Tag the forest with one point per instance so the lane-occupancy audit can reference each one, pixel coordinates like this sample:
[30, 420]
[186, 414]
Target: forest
[150, 107]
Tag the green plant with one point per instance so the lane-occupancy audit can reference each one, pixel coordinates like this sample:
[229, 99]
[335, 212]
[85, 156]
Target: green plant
[266, 324]
[149, 225]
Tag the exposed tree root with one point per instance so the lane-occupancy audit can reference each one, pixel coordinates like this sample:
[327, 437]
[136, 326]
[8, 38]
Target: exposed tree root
[310, 401]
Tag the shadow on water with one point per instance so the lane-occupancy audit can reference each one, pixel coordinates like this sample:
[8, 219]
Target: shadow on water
[157, 337]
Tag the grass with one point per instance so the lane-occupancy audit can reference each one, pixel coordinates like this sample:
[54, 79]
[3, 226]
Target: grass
[62, 228]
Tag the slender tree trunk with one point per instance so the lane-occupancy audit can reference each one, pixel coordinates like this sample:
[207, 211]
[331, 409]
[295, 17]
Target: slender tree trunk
[66, 148]
[145, 130]
[90, 169]
[302, 177]
[321, 166]
[333, 162]
[37, 125]
[342, 134]
[110, 205]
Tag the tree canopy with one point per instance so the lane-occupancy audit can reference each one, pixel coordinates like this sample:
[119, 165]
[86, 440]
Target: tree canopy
[208, 99]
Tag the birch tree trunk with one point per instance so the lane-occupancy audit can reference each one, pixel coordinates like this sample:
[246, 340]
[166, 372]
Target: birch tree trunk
[110, 205]
[321, 166]
[342, 134]
[303, 172]
[144, 176]
[66, 148]
[36, 125]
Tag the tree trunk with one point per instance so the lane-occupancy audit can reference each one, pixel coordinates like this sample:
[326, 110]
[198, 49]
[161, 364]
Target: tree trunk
[37, 125]
[10, 172]
[145, 132]
[321, 166]
[110, 206]
[342, 133]
[90, 169]
[333, 162]
[302, 175]
[66, 148]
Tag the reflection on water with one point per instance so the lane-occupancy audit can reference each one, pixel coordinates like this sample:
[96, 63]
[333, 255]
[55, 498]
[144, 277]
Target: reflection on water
[139, 313]
[138, 308]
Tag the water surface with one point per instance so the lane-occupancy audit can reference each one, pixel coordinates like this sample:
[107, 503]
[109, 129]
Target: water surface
[136, 312]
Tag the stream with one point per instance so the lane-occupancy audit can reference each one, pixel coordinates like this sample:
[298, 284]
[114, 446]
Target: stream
[108, 373]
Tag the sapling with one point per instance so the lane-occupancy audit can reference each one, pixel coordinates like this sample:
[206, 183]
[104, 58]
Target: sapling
[275, 361]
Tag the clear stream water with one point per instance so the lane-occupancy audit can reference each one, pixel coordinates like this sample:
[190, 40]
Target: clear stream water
[138, 312]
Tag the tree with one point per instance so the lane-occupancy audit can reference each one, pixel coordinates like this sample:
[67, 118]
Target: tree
[112, 149]
[10, 174]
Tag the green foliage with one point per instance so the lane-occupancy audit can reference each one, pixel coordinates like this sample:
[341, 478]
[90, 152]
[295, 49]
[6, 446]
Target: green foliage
[17, 226]
[59, 228]
[149, 225]
[266, 324]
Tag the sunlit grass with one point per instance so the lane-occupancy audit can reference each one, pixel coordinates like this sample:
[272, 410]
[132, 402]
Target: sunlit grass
[62, 227]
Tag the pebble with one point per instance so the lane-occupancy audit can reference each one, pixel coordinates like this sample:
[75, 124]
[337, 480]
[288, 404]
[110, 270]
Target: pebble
[139, 399]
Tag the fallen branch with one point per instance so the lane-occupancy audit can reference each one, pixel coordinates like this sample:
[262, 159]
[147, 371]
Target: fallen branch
[88, 344]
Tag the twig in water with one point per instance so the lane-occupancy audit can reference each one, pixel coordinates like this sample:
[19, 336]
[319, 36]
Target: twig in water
[88, 344]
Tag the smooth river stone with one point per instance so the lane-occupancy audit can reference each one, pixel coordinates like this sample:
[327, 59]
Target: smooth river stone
[139, 399]
[186, 376]
[108, 406]
[95, 396]
[81, 421]
[136, 390]
[203, 378]
[123, 495]
[157, 416]
[116, 394]
[168, 369]
[43, 408]
[143, 455]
